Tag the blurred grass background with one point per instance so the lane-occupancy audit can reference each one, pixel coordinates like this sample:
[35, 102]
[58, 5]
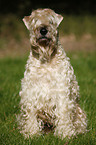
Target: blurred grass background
[79, 25]
[78, 37]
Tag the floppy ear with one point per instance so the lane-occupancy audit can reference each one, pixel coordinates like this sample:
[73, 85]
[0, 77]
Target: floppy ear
[26, 21]
[59, 19]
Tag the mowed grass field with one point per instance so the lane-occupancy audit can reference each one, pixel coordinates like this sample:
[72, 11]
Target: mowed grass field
[11, 72]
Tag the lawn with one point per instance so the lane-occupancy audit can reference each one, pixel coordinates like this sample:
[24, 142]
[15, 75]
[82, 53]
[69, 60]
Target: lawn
[11, 72]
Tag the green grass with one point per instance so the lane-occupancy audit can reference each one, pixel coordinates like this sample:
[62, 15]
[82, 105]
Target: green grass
[11, 71]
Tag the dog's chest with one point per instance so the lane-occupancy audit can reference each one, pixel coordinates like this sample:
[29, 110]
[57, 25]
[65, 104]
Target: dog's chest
[48, 78]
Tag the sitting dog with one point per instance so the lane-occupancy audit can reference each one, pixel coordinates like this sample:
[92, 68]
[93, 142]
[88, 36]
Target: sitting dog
[49, 90]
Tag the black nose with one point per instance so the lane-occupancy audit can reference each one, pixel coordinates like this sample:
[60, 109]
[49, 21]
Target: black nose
[43, 31]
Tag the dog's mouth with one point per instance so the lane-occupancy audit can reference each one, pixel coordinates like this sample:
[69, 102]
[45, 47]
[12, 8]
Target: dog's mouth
[43, 41]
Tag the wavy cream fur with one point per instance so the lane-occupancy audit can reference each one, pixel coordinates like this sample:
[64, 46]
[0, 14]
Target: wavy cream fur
[51, 87]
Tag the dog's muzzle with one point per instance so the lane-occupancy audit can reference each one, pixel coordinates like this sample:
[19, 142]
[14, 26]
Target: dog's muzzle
[43, 40]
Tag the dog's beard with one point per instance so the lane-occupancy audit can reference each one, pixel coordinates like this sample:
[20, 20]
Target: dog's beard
[44, 50]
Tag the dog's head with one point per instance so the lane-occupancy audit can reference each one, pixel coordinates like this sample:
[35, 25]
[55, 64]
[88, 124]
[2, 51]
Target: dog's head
[43, 26]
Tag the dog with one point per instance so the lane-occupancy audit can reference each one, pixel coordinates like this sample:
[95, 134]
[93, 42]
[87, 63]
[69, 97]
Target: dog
[49, 90]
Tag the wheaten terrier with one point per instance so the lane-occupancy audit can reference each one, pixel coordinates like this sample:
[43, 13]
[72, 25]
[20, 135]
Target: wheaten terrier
[49, 90]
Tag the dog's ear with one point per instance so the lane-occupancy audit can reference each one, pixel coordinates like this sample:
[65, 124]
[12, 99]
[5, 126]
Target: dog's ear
[26, 21]
[59, 19]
